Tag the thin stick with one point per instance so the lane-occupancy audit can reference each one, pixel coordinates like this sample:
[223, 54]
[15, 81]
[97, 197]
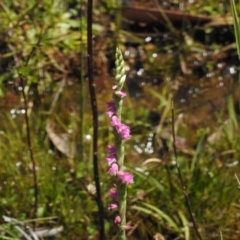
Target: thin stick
[185, 193]
[95, 120]
[29, 143]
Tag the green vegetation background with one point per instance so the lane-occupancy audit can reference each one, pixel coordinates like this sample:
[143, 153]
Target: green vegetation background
[44, 43]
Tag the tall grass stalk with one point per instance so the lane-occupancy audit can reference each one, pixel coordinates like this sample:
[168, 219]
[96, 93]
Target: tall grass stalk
[236, 25]
[237, 36]
[183, 185]
[28, 131]
[82, 93]
[95, 120]
[29, 143]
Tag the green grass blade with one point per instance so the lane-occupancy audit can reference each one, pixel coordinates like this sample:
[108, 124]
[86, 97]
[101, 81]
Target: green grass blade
[153, 181]
[236, 26]
[221, 236]
[156, 213]
[232, 112]
[162, 99]
[199, 151]
[185, 224]
[163, 215]
[8, 238]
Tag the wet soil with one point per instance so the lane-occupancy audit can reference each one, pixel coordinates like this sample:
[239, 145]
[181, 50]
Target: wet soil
[195, 64]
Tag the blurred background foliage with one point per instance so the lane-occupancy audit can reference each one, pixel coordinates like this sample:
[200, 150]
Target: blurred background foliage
[43, 43]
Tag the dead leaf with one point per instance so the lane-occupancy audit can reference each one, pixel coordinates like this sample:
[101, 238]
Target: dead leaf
[155, 16]
[158, 236]
[61, 142]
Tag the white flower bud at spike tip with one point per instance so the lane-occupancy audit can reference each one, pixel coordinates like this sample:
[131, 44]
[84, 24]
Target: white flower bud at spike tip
[122, 79]
[120, 69]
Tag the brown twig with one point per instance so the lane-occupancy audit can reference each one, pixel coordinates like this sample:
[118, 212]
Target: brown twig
[185, 193]
[95, 120]
[29, 144]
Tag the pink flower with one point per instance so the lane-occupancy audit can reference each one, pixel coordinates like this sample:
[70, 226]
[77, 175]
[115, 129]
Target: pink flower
[110, 113]
[111, 105]
[117, 219]
[112, 206]
[110, 159]
[121, 128]
[126, 178]
[120, 94]
[111, 109]
[112, 193]
[115, 121]
[113, 170]
[124, 131]
[111, 150]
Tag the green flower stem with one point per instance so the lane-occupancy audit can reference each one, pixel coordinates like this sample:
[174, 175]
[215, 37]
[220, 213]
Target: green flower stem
[122, 190]
[119, 143]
